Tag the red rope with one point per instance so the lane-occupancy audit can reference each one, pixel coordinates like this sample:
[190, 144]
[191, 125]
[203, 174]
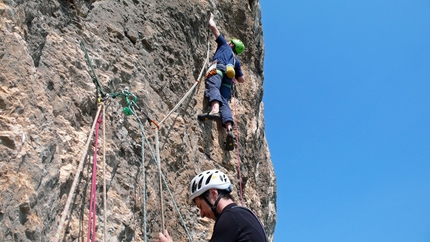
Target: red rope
[91, 236]
[238, 152]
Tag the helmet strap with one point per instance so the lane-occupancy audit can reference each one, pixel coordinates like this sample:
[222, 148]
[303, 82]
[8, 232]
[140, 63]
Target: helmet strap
[213, 206]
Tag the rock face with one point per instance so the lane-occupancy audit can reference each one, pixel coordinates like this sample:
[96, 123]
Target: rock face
[49, 101]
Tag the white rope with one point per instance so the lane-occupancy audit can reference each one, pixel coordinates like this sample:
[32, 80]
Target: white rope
[157, 147]
[191, 89]
[75, 181]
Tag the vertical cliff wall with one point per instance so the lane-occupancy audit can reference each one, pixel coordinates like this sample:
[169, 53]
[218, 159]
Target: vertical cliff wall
[48, 103]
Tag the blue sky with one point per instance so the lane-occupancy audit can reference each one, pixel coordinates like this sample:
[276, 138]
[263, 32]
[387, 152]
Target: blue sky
[347, 111]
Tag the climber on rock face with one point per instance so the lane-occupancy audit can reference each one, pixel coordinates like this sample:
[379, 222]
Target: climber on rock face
[210, 191]
[219, 80]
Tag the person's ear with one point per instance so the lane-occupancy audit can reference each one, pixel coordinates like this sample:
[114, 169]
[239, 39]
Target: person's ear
[214, 193]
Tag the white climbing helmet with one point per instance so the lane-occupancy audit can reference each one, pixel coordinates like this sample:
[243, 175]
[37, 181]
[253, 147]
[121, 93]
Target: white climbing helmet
[207, 180]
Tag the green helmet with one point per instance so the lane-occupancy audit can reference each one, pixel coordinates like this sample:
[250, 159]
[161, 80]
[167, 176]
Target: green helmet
[239, 47]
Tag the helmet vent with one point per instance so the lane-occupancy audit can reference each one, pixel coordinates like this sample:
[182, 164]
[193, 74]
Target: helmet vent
[200, 184]
[208, 179]
[211, 179]
[193, 189]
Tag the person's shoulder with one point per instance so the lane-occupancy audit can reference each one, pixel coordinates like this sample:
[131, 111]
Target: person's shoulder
[241, 210]
[237, 59]
[221, 39]
[232, 208]
[229, 208]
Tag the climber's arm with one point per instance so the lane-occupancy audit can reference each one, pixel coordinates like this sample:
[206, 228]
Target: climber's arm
[213, 27]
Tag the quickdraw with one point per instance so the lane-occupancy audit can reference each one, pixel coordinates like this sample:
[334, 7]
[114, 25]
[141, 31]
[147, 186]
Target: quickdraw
[127, 111]
[130, 100]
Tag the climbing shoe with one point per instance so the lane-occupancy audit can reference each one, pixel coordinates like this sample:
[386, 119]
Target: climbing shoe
[209, 116]
[229, 143]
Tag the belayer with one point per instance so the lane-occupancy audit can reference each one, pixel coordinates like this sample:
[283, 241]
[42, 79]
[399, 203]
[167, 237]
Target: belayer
[210, 191]
[219, 80]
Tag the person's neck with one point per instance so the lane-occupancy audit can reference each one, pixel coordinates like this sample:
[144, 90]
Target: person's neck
[222, 204]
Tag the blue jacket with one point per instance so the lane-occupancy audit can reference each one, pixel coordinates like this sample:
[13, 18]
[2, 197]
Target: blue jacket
[224, 55]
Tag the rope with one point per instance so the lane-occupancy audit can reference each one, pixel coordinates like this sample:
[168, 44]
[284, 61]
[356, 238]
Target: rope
[144, 189]
[104, 177]
[192, 88]
[131, 105]
[161, 176]
[75, 181]
[143, 174]
[177, 208]
[94, 77]
[164, 180]
[238, 153]
[146, 115]
[157, 140]
[157, 147]
[171, 196]
[92, 217]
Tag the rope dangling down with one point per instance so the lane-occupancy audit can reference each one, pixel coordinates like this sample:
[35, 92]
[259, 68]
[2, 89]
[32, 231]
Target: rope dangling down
[145, 237]
[92, 217]
[157, 147]
[104, 177]
[144, 138]
[75, 181]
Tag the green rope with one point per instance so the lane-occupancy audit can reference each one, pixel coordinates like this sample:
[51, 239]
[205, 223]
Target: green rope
[94, 76]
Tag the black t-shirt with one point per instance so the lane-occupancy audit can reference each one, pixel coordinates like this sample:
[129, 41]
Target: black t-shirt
[238, 224]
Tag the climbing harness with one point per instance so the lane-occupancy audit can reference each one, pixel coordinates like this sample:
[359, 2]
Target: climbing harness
[211, 73]
[212, 70]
